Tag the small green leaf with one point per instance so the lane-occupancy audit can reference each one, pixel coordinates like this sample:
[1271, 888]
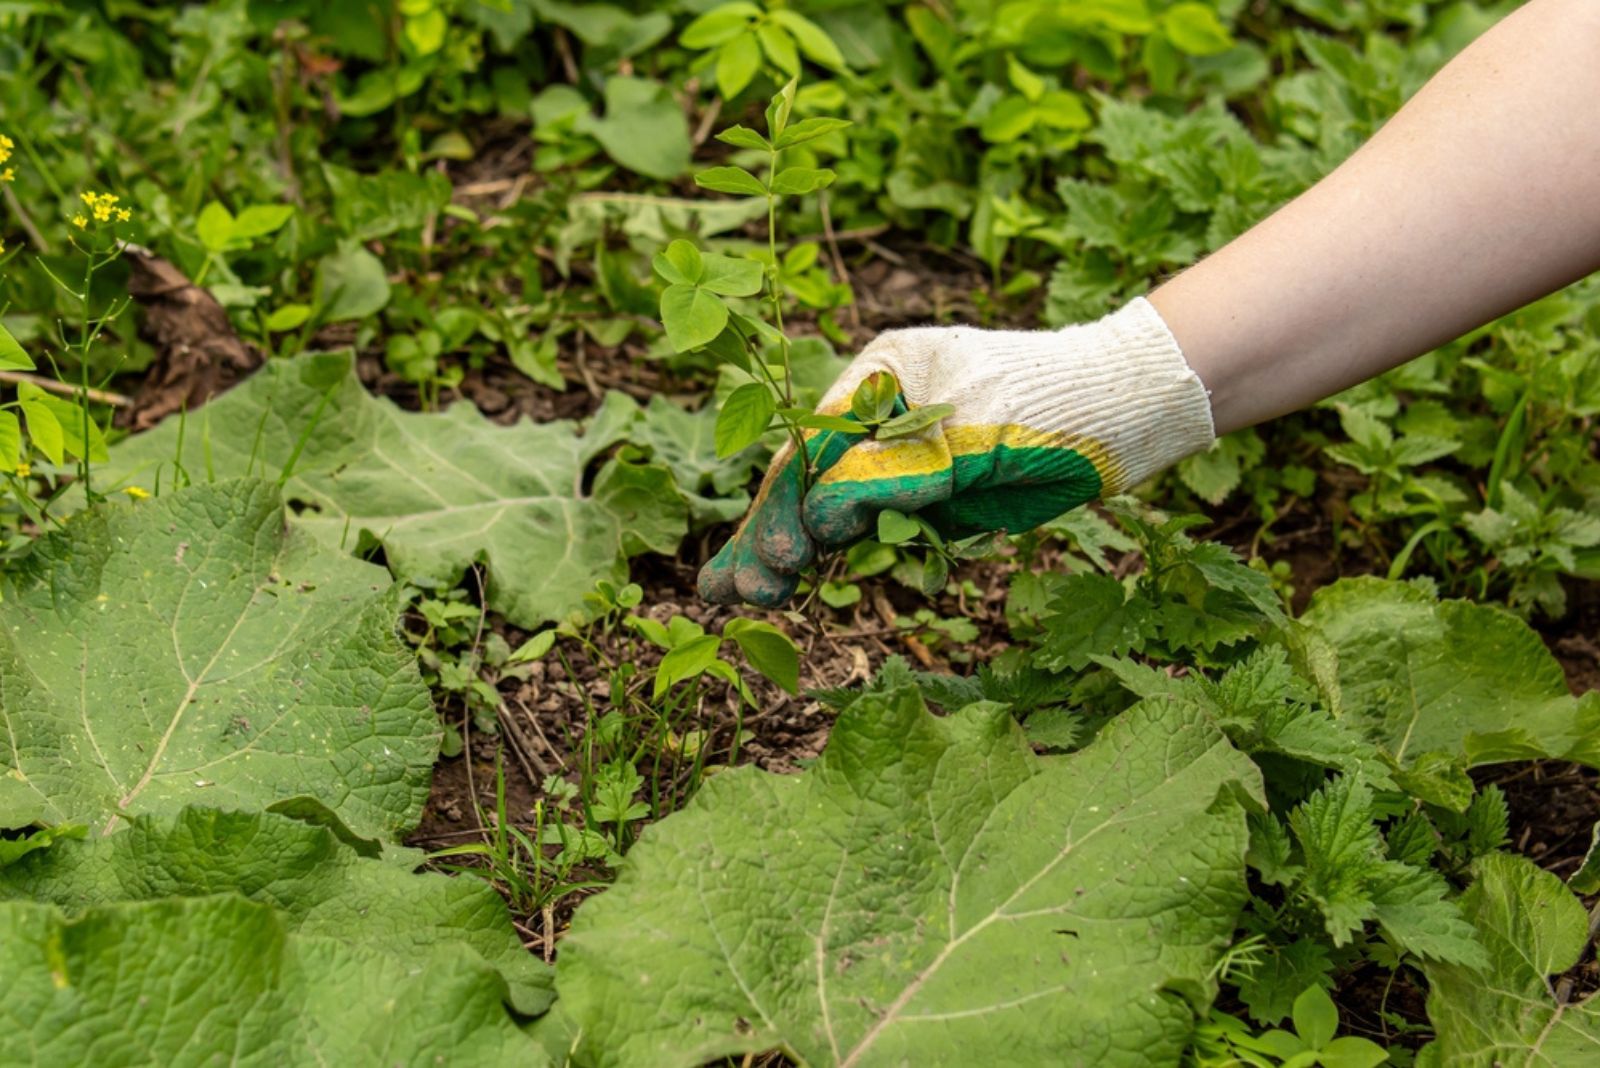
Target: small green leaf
[686, 661]
[735, 180]
[288, 317]
[718, 25]
[874, 398]
[1195, 28]
[259, 220]
[1063, 110]
[813, 39]
[779, 47]
[896, 527]
[744, 417]
[44, 429]
[778, 109]
[769, 650]
[12, 355]
[738, 60]
[534, 648]
[1024, 81]
[692, 316]
[914, 420]
[680, 263]
[214, 227]
[935, 573]
[351, 284]
[744, 137]
[1315, 1017]
[731, 276]
[797, 181]
[817, 421]
[809, 130]
[10, 442]
[1008, 120]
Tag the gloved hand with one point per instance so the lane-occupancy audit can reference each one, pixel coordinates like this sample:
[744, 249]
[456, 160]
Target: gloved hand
[1044, 421]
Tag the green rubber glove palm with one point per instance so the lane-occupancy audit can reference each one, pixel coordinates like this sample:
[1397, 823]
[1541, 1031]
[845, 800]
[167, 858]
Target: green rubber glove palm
[1042, 423]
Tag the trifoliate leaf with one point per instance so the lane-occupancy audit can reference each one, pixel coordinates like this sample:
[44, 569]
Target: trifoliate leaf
[438, 490]
[1505, 1012]
[223, 980]
[321, 886]
[159, 649]
[928, 889]
[1421, 675]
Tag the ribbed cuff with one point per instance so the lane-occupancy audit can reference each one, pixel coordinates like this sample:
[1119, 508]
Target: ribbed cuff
[1121, 382]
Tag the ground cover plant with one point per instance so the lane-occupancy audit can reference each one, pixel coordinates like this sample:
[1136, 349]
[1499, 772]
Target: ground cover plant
[375, 376]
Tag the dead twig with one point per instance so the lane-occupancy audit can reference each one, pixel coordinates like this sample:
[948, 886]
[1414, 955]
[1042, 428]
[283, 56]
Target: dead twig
[66, 389]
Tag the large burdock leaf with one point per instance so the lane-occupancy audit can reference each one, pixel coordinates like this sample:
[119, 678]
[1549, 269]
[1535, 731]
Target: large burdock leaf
[930, 893]
[223, 980]
[440, 491]
[321, 886]
[190, 647]
[1508, 1014]
[1422, 676]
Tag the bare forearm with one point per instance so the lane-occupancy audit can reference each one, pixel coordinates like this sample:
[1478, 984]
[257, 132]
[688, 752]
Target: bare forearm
[1480, 195]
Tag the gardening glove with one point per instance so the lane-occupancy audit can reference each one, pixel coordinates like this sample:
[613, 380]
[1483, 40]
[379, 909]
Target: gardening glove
[1043, 422]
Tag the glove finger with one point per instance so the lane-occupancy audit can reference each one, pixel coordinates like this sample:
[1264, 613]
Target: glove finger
[777, 521]
[736, 574]
[907, 474]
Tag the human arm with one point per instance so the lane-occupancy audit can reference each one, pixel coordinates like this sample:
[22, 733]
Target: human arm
[1481, 194]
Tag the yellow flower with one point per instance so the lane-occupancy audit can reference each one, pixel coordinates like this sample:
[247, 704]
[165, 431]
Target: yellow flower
[136, 492]
[8, 175]
[2, 246]
[6, 145]
[79, 221]
[24, 469]
[123, 215]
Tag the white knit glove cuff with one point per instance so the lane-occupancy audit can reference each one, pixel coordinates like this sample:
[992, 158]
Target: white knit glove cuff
[1117, 390]
[1121, 382]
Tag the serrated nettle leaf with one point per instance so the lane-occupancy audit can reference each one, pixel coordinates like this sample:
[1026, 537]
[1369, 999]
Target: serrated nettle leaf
[813, 40]
[809, 130]
[744, 137]
[685, 661]
[744, 417]
[797, 181]
[895, 528]
[769, 650]
[440, 491]
[734, 180]
[279, 676]
[12, 355]
[680, 263]
[881, 908]
[731, 276]
[721, 23]
[222, 979]
[692, 315]
[914, 420]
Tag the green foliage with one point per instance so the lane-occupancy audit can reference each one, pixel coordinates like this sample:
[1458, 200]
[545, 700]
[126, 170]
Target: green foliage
[189, 980]
[913, 909]
[193, 644]
[1506, 1011]
[439, 492]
